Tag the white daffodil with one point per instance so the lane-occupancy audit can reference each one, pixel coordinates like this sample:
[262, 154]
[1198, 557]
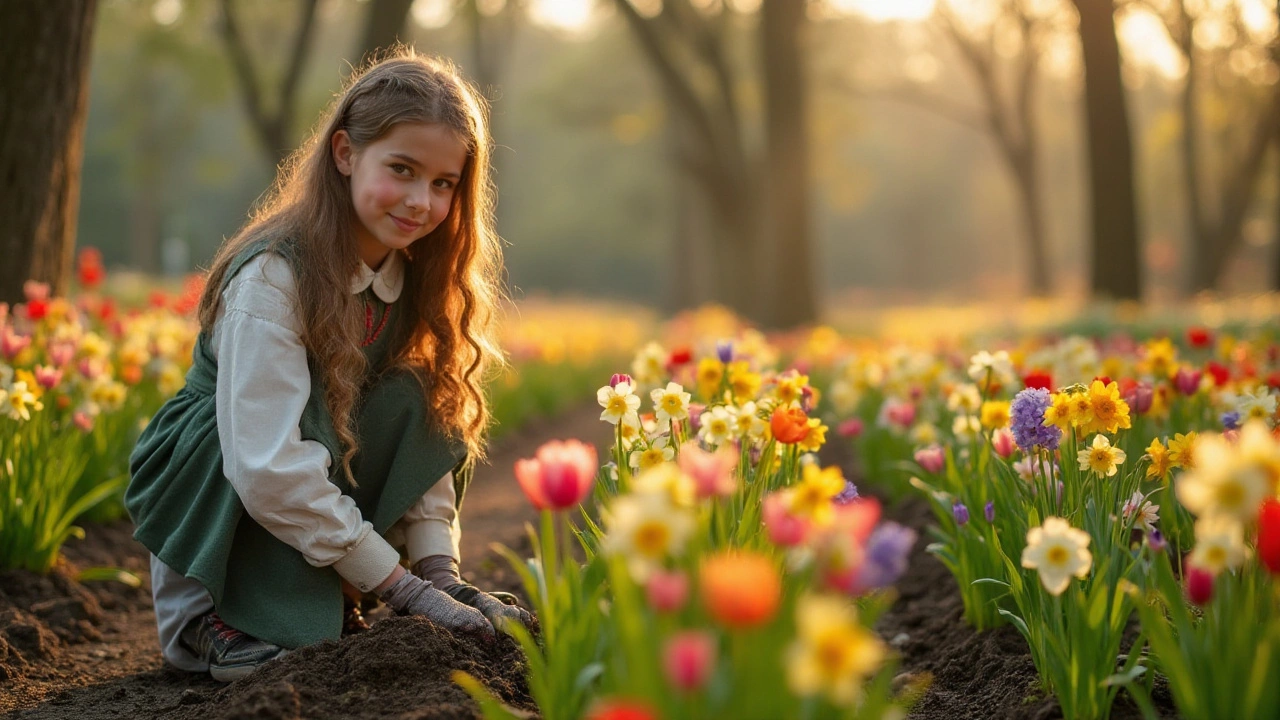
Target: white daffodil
[717, 426]
[670, 403]
[6, 376]
[630, 430]
[649, 365]
[658, 452]
[966, 428]
[18, 402]
[996, 365]
[646, 529]
[619, 401]
[1219, 544]
[965, 400]
[1222, 482]
[1259, 405]
[1058, 551]
[747, 422]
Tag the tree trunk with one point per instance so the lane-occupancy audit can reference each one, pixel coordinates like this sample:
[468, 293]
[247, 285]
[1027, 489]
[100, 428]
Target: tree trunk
[787, 240]
[1275, 230]
[384, 24]
[1031, 208]
[1116, 271]
[44, 83]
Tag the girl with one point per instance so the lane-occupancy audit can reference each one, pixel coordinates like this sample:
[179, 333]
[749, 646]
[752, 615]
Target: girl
[335, 404]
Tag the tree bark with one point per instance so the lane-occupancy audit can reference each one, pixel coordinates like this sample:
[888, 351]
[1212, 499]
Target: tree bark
[1116, 261]
[384, 24]
[788, 255]
[44, 83]
[1026, 171]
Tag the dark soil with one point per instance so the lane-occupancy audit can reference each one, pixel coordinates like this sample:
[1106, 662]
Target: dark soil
[89, 651]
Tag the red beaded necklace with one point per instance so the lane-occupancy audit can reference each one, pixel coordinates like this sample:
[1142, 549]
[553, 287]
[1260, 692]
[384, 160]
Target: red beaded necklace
[370, 333]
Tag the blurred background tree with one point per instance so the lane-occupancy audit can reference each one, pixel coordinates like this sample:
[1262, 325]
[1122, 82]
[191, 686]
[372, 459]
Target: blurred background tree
[755, 152]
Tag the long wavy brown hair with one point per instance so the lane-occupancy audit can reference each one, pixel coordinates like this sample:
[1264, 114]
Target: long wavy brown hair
[446, 331]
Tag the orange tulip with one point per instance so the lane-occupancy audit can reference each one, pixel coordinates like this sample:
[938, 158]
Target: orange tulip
[790, 425]
[740, 589]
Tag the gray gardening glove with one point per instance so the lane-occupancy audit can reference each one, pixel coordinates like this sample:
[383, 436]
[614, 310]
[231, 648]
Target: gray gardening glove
[442, 572]
[410, 595]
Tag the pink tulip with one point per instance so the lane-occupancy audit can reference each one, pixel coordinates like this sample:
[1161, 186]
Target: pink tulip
[932, 458]
[785, 529]
[1002, 442]
[712, 472]
[12, 343]
[61, 353]
[840, 549]
[851, 428]
[1187, 380]
[621, 378]
[83, 421]
[666, 591]
[47, 377]
[559, 476]
[35, 291]
[902, 414]
[689, 658]
[90, 368]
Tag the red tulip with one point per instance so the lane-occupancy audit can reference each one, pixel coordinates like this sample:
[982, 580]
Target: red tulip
[1038, 379]
[1199, 584]
[89, 270]
[617, 709]
[559, 476]
[1269, 535]
[1199, 337]
[1221, 374]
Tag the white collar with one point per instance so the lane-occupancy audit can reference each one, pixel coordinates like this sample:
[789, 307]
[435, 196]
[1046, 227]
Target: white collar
[387, 281]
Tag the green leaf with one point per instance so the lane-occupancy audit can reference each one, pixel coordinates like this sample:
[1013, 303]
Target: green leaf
[109, 574]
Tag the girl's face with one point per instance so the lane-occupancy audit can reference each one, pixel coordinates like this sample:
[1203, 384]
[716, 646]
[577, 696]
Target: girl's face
[402, 184]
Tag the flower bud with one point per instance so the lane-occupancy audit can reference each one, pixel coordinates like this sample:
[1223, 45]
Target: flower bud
[960, 513]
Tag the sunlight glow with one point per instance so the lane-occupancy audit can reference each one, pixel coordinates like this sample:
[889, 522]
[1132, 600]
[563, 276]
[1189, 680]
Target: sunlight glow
[886, 10]
[563, 14]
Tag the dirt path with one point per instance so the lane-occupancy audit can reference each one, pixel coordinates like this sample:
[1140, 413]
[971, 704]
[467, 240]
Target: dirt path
[112, 668]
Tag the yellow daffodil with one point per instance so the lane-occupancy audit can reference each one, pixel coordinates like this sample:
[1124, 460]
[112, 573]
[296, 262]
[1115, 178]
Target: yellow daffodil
[790, 388]
[816, 438]
[811, 497]
[1059, 552]
[743, 383]
[1059, 413]
[1161, 358]
[1160, 462]
[1101, 458]
[1110, 412]
[1182, 449]
[832, 653]
[995, 414]
[710, 374]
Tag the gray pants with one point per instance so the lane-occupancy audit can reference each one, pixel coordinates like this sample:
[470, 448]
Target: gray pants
[178, 600]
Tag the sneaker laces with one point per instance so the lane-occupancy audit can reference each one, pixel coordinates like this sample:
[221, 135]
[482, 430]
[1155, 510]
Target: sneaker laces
[225, 632]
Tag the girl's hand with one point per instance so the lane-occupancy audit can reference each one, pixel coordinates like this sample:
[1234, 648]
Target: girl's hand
[442, 571]
[410, 595]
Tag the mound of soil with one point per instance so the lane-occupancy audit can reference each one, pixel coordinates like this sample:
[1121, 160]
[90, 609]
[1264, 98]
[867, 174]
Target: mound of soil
[400, 668]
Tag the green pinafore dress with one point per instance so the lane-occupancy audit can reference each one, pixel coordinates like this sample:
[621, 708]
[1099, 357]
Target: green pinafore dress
[188, 514]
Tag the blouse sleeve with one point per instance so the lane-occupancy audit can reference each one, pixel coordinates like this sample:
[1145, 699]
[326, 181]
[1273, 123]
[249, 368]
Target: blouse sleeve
[263, 385]
[431, 525]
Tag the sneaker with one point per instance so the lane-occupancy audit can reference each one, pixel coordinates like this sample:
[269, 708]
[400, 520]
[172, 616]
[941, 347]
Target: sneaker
[231, 654]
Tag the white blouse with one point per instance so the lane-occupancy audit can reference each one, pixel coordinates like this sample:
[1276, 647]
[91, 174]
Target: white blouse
[263, 385]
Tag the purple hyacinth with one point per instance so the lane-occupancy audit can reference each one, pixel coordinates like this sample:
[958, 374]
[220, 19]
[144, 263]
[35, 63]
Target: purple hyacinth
[1155, 539]
[886, 559]
[989, 511]
[1231, 420]
[960, 513]
[847, 495]
[1026, 415]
